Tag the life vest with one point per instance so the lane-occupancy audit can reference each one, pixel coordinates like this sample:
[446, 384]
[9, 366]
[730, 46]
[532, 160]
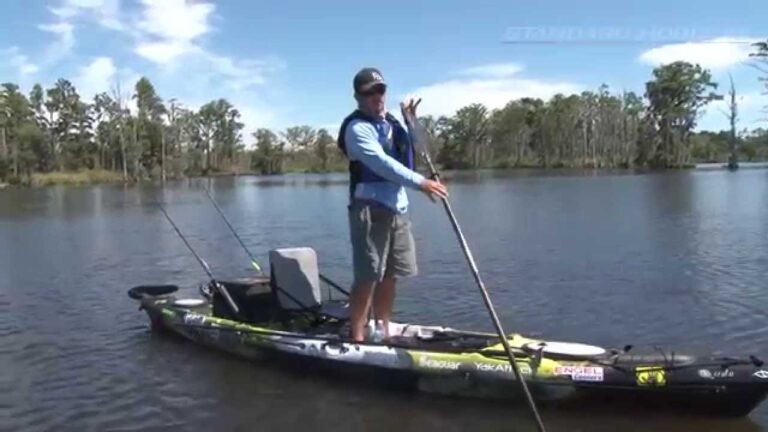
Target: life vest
[401, 150]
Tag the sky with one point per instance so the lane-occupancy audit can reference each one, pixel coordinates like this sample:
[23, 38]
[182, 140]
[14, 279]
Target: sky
[284, 63]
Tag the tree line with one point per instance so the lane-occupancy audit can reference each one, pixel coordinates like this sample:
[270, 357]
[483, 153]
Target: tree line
[55, 129]
[599, 129]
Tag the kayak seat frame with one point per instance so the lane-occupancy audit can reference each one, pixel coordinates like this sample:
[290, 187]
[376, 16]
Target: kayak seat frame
[295, 280]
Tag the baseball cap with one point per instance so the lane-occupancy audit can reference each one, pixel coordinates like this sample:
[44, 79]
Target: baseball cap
[366, 79]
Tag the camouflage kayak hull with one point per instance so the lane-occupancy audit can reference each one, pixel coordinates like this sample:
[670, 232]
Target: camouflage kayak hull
[442, 360]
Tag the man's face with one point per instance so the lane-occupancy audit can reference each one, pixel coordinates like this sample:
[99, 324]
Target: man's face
[373, 101]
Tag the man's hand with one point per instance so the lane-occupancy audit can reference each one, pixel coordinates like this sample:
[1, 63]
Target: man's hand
[434, 188]
[409, 107]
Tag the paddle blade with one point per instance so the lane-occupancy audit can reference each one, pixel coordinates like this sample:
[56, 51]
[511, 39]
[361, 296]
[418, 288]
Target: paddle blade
[416, 130]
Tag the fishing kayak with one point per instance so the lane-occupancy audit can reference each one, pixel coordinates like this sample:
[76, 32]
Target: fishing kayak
[286, 319]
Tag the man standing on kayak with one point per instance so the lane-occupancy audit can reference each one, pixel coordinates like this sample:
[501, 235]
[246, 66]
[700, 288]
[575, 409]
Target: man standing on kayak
[381, 166]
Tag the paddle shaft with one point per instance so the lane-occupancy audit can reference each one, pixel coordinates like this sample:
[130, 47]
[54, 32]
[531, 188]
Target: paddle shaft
[486, 299]
[202, 263]
[248, 251]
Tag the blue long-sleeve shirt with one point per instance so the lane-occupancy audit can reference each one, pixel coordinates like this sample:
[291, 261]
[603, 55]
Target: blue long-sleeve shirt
[365, 142]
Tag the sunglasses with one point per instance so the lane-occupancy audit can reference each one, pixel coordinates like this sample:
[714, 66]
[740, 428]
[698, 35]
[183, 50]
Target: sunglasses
[375, 90]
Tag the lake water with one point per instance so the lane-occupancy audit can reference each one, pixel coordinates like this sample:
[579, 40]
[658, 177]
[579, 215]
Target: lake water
[674, 259]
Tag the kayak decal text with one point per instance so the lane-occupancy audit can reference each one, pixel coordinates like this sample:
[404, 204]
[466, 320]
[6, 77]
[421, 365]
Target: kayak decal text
[431, 363]
[581, 373]
[502, 367]
[194, 319]
[715, 374]
[763, 374]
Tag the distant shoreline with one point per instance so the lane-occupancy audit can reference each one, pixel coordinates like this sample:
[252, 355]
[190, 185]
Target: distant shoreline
[94, 177]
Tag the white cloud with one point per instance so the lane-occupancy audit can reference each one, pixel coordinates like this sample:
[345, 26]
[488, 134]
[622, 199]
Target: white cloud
[495, 70]
[488, 88]
[98, 76]
[750, 111]
[64, 41]
[254, 117]
[180, 20]
[717, 54]
[170, 29]
[170, 34]
[19, 61]
[165, 52]
[242, 74]
[106, 12]
[750, 100]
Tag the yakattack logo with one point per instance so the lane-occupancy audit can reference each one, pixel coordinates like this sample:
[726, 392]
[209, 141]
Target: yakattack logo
[502, 368]
[581, 373]
[430, 363]
[650, 376]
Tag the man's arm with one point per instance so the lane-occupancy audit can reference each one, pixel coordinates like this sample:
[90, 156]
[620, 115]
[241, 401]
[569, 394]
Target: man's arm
[363, 145]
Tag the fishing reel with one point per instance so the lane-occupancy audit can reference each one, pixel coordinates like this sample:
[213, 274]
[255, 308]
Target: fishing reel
[206, 290]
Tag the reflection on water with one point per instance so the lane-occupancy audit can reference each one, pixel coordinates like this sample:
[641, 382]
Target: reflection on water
[604, 257]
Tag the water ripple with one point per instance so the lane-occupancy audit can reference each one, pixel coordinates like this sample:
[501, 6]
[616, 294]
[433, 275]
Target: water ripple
[675, 259]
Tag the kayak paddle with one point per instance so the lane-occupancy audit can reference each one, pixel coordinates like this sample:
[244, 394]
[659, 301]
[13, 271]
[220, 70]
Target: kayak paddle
[419, 139]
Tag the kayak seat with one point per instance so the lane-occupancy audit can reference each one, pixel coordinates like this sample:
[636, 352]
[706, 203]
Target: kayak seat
[295, 280]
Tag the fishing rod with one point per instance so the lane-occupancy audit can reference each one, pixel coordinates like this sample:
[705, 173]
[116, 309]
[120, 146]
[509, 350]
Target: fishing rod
[420, 138]
[232, 230]
[247, 251]
[203, 264]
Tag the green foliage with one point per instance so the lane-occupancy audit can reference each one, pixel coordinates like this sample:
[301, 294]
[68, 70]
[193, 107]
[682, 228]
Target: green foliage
[709, 146]
[587, 130]
[300, 136]
[754, 145]
[326, 154]
[53, 131]
[19, 134]
[467, 137]
[269, 156]
[761, 57]
[675, 97]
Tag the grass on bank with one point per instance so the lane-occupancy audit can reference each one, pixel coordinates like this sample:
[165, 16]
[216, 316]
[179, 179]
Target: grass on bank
[74, 178]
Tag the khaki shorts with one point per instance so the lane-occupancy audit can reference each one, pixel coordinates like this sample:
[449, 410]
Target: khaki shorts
[382, 243]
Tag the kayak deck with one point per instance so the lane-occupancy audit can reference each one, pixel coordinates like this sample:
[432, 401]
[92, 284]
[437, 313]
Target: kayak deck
[443, 360]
